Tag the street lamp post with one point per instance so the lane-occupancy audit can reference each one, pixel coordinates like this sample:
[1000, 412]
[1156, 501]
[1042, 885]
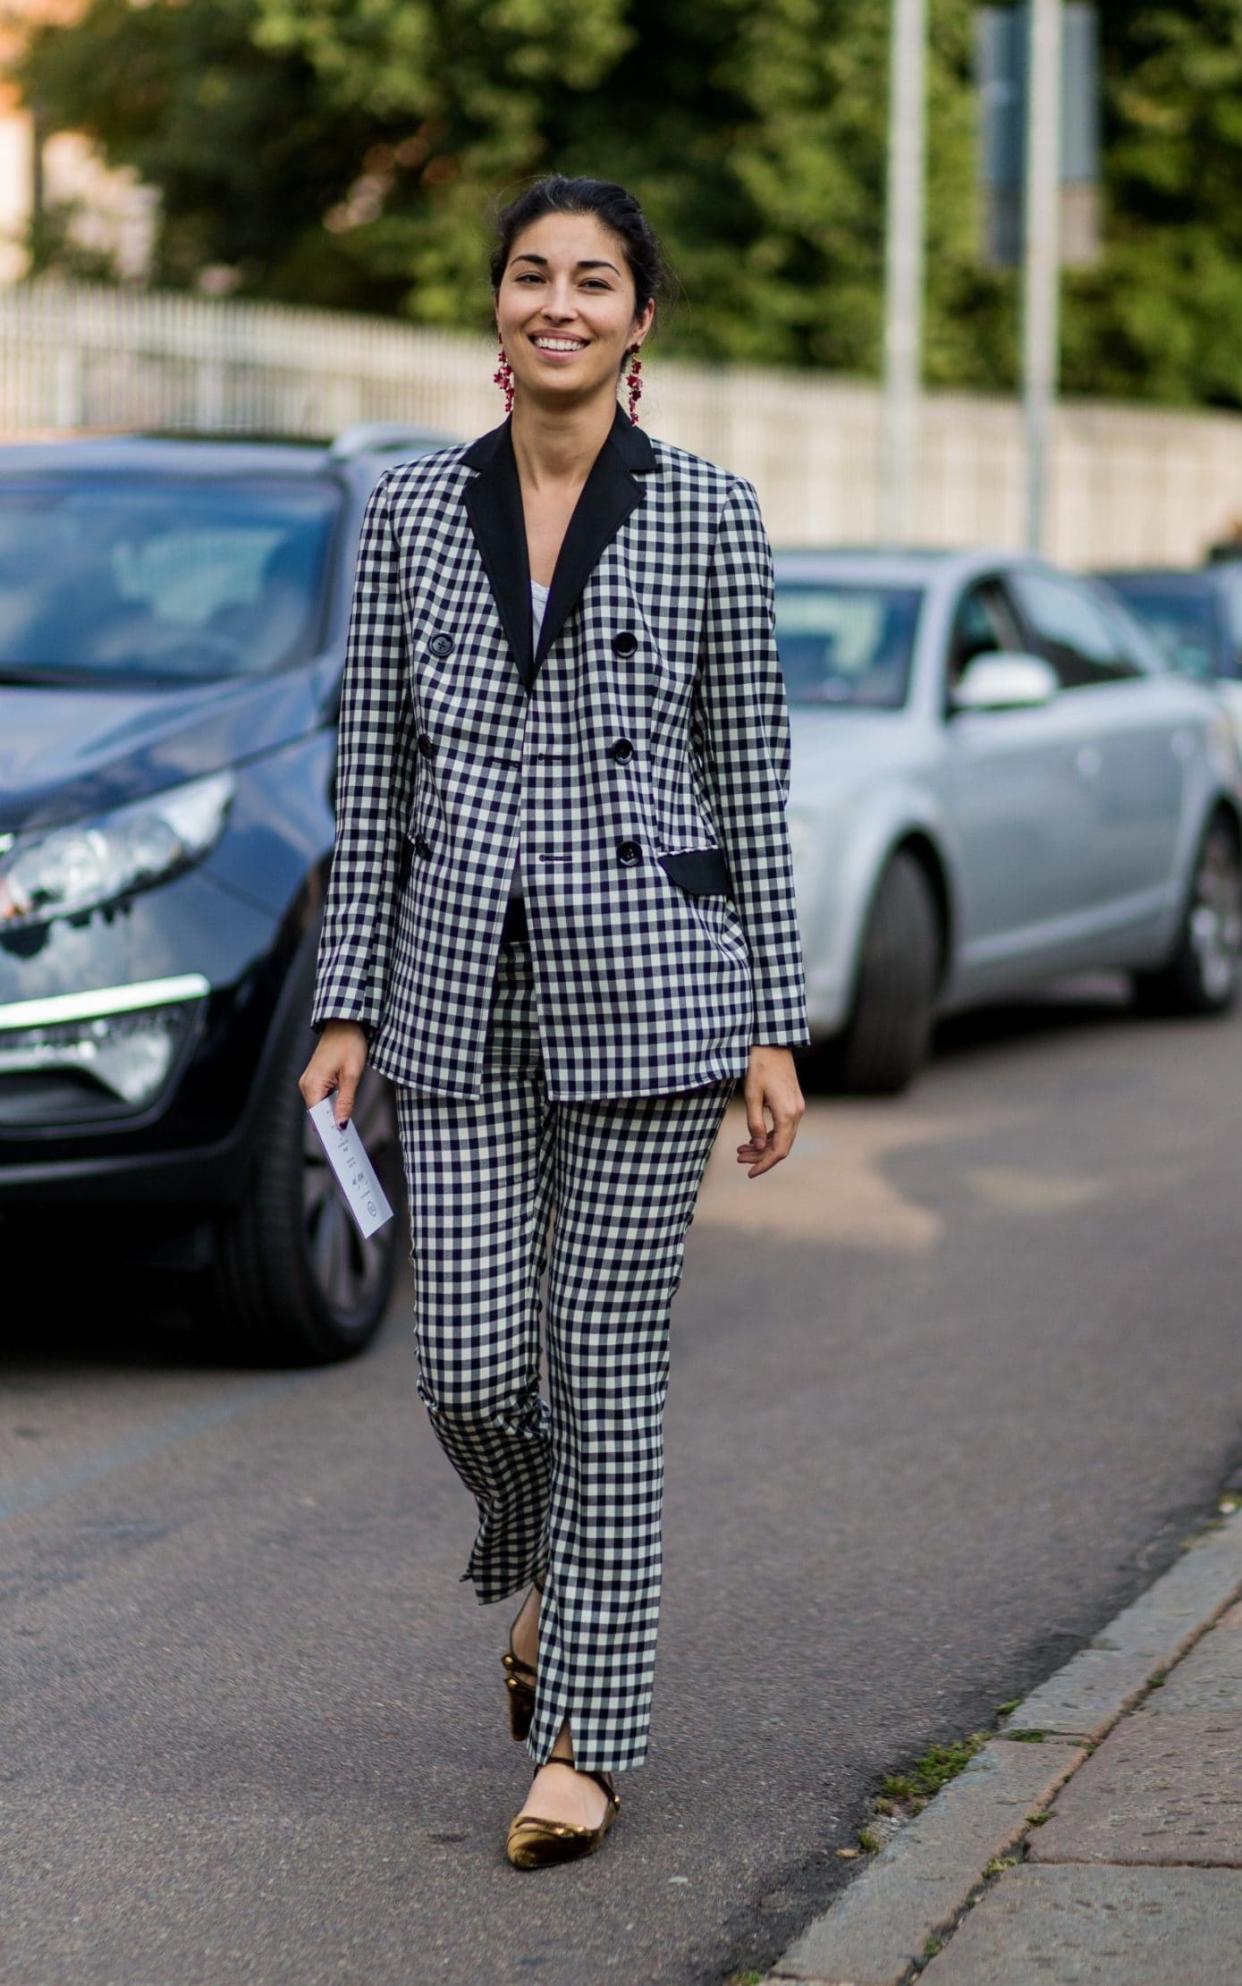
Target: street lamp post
[1042, 255]
[903, 296]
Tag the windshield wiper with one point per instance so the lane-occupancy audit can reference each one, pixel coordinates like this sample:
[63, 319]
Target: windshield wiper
[65, 676]
[30, 672]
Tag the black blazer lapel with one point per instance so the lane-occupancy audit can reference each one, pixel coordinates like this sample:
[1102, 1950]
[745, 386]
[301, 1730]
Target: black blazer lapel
[493, 501]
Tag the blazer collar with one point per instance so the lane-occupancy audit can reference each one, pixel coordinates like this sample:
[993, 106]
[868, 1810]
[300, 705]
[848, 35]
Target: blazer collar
[493, 500]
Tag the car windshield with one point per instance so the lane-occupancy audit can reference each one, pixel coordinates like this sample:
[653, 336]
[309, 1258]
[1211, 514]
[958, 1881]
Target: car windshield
[1180, 618]
[846, 644]
[150, 578]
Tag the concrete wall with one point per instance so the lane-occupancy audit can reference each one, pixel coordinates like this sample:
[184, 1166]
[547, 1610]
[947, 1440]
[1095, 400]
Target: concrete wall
[1127, 484]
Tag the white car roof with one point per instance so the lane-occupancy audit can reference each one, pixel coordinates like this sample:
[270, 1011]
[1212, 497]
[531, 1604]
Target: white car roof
[936, 569]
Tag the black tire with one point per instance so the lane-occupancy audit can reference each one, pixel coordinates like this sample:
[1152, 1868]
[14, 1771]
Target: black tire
[1203, 973]
[293, 1283]
[885, 1042]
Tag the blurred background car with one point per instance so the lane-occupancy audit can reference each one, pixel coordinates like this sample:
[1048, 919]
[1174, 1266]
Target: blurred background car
[173, 615]
[1196, 616]
[997, 780]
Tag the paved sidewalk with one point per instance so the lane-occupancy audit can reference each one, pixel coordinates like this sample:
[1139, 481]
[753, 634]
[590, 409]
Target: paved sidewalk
[1097, 1839]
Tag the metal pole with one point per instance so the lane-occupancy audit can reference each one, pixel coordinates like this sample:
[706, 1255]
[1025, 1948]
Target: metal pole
[903, 300]
[1042, 257]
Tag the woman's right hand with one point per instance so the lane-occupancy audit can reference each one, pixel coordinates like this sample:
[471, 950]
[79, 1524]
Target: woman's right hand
[337, 1064]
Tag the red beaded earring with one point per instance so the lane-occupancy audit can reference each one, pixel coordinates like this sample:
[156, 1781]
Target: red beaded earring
[634, 383]
[503, 377]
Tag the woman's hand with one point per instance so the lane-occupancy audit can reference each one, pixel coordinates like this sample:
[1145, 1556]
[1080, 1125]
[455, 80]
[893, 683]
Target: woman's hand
[337, 1064]
[771, 1079]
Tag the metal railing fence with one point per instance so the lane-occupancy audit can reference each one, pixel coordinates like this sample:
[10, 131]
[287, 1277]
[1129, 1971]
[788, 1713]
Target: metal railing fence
[1127, 483]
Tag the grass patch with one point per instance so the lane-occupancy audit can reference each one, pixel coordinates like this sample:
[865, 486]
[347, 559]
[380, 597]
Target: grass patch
[999, 1862]
[934, 1769]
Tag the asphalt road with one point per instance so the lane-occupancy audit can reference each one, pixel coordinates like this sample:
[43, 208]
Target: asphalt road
[948, 1387]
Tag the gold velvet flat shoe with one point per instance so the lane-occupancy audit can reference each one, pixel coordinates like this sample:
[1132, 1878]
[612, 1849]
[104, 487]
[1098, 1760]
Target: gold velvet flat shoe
[520, 1683]
[533, 1843]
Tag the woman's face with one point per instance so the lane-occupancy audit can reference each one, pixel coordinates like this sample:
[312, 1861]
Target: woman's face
[567, 279]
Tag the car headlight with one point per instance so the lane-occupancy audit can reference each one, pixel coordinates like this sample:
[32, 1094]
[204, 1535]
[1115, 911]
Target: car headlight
[69, 869]
[128, 1055]
[127, 1039]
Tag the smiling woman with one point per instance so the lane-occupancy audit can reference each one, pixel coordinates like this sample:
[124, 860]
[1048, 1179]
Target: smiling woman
[587, 322]
[572, 1045]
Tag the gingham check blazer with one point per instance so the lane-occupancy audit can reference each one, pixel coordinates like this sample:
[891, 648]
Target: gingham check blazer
[641, 752]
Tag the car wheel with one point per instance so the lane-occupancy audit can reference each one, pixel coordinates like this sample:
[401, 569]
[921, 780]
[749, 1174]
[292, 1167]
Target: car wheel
[293, 1281]
[1204, 971]
[885, 1041]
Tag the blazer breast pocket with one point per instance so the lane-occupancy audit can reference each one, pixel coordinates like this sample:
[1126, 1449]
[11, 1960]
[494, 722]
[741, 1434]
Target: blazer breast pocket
[701, 871]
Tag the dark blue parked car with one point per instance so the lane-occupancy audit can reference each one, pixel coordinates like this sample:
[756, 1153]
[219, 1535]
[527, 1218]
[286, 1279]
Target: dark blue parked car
[172, 633]
[1195, 612]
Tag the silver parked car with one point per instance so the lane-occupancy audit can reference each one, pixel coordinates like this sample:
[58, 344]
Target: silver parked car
[997, 780]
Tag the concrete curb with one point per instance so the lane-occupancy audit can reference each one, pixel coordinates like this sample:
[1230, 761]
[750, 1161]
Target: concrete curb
[877, 1932]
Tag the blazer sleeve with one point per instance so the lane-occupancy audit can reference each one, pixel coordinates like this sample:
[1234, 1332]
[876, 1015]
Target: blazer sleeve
[741, 718]
[374, 785]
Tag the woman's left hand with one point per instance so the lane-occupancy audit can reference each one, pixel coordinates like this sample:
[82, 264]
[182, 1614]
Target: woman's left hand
[771, 1079]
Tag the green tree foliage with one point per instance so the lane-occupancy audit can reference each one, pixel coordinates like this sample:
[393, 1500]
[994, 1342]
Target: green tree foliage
[1159, 318]
[462, 95]
[352, 152]
[243, 145]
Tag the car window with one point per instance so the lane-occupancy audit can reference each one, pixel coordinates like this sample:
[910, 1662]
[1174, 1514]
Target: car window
[143, 576]
[1085, 643]
[1179, 618]
[983, 625]
[845, 643]
[1139, 645]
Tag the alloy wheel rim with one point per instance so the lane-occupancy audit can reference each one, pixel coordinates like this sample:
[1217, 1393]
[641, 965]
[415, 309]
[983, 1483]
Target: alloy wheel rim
[1216, 918]
[347, 1269]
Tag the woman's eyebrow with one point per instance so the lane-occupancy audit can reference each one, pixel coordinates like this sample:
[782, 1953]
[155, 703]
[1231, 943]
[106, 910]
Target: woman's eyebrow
[599, 263]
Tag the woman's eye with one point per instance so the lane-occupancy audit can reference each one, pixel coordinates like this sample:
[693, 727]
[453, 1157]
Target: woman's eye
[532, 276]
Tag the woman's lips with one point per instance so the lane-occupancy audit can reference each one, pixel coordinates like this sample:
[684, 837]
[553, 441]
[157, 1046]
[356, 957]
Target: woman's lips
[544, 353]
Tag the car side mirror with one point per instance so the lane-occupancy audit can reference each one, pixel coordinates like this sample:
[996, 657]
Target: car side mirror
[1004, 682]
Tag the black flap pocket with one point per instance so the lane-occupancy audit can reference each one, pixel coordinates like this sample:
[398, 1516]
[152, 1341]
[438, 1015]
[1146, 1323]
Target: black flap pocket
[702, 871]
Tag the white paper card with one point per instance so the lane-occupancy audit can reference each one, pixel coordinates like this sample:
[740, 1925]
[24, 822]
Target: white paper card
[348, 1159]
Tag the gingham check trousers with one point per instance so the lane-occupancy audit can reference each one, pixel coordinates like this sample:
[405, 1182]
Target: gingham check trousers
[569, 1489]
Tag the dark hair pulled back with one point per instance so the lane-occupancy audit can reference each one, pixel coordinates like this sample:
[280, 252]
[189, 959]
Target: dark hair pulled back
[618, 210]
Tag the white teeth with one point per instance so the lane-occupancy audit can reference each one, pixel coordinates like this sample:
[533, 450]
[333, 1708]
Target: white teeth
[560, 344]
